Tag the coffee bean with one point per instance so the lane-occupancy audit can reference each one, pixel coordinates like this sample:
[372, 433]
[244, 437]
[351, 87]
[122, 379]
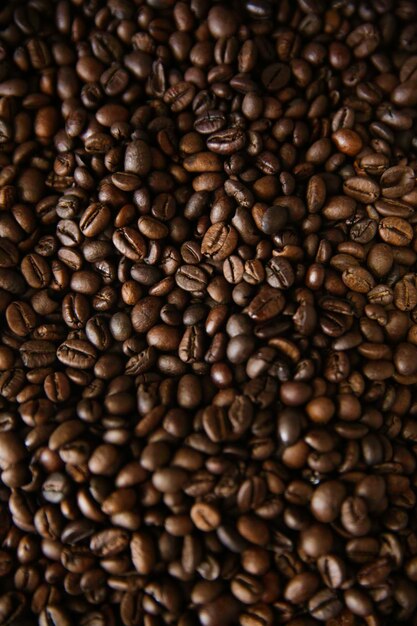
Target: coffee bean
[210, 122]
[380, 259]
[36, 271]
[301, 587]
[110, 542]
[94, 219]
[219, 241]
[397, 181]
[324, 605]
[77, 353]
[358, 602]
[361, 189]
[279, 273]
[179, 96]
[21, 318]
[169, 479]
[205, 517]
[37, 353]
[143, 552]
[191, 278]
[333, 570]
[339, 207]
[57, 387]
[358, 279]
[327, 501]
[233, 269]
[274, 220]
[137, 158]
[395, 231]
[276, 76]
[12, 450]
[295, 393]
[129, 243]
[347, 141]
[226, 141]
[404, 94]
[245, 588]
[354, 516]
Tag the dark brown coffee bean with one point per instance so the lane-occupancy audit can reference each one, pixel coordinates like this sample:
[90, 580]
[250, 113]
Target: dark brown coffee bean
[302, 587]
[137, 158]
[347, 141]
[276, 76]
[339, 207]
[219, 241]
[37, 353]
[143, 553]
[191, 278]
[358, 279]
[207, 359]
[109, 542]
[380, 259]
[325, 605]
[130, 243]
[169, 479]
[327, 501]
[205, 517]
[36, 271]
[57, 387]
[395, 231]
[145, 313]
[267, 304]
[77, 353]
[12, 450]
[21, 318]
[333, 570]
[279, 273]
[354, 516]
[246, 588]
[361, 189]
[94, 219]
[226, 141]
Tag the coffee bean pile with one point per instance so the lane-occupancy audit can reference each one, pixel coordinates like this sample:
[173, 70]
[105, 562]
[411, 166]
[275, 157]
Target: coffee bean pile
[208, 301]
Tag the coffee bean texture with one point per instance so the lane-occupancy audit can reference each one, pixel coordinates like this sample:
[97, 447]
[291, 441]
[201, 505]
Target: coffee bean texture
[208, 312]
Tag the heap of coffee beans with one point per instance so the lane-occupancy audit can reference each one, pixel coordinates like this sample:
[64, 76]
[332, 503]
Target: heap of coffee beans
[208, 301]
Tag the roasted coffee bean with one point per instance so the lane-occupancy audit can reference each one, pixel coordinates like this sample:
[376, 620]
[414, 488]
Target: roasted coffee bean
[226, 141]
[95, 219]
[191, 278]
[137, 158]
[143, 552]
[219, 241]
[358, 279]
[36, 353]
[274, 77]
[21, 318]
[347, 141]
[361, 189]
[395, 231]
[325, 605]
[35, 271]
[301, 587]
[279, 273]
[327, 501]
[208, 287]
[130, 243]
[76, 353]
[333, 570]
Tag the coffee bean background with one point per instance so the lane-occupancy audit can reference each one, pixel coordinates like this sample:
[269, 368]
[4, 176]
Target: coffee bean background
[208, 312]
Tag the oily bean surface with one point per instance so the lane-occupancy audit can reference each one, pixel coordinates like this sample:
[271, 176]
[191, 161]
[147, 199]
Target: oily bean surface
[208, 301]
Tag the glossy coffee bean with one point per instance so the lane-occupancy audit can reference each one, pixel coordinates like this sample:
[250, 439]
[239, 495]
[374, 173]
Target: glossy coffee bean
[208, 348]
